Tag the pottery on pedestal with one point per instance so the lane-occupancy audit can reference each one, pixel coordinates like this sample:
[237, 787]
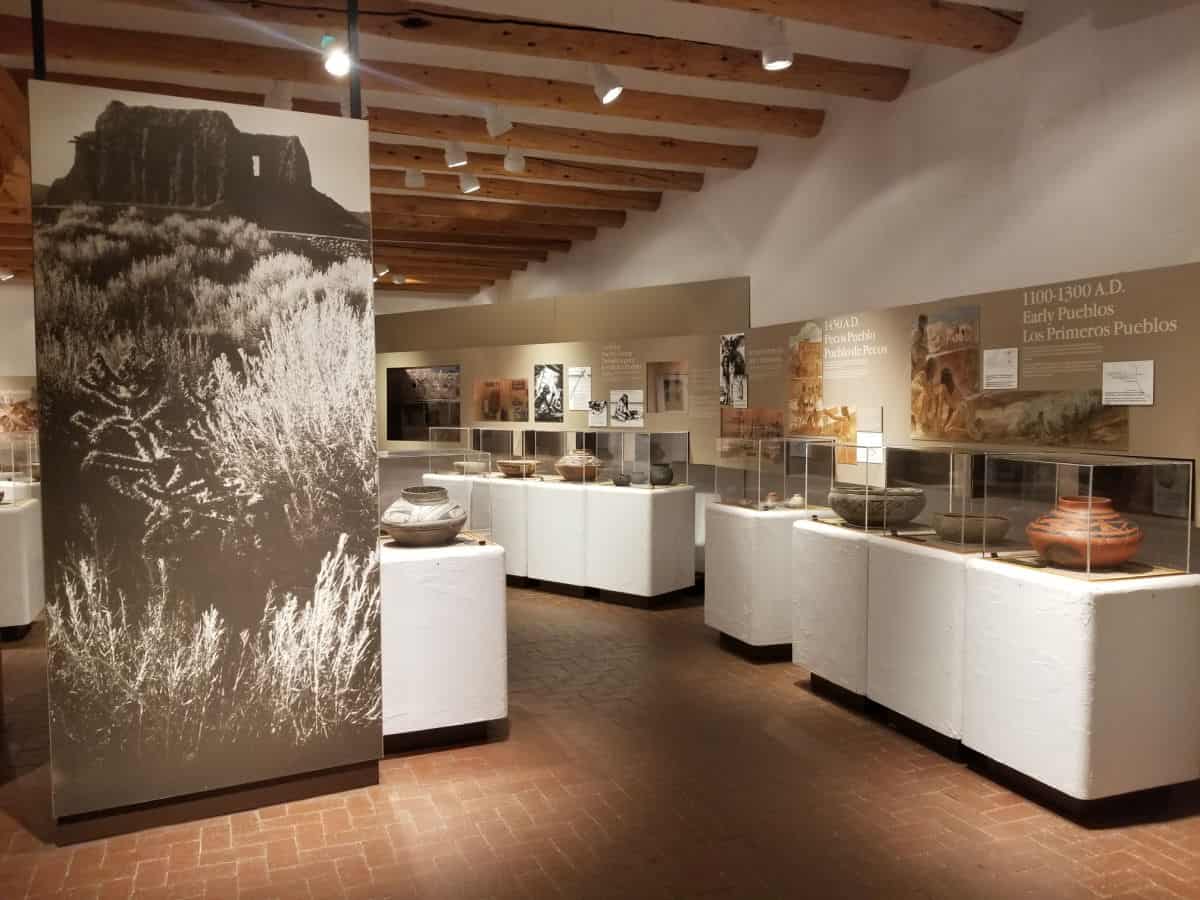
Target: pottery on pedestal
[970, 528]
[796, 501]
[516, 468]
[890, 507]
[661, 475]
[1063, 535]
[424, 516]
[620, 479]
[578, 465]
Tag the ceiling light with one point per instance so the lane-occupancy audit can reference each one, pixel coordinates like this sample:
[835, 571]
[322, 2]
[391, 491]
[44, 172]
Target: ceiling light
[608, 88]
[456, 155]
[497, 120]
[337, 60]
[514, 161]
[776, 53]
[414, 179]
[7, 275]
[468, 183]
[381, 269]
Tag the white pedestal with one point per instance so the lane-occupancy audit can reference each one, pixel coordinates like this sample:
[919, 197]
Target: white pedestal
[557, 532]
[1092, 688]
[829, 603]
[917, 597]
[23, 595]
[497, 507]
[747, 573]
[703, 499]
[444, 638]
[21, 490]
[640, 541]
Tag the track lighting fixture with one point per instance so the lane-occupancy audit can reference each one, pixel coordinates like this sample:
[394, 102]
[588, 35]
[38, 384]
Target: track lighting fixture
[497, 120]
[7, 275]
[381, 269]
[414, 179]
[514, 161]
[607, 87]
[337, 60]
[468, 183]
[776, 53]
[456, 155]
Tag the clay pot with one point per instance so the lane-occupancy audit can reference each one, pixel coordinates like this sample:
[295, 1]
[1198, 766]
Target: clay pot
[578, 465]
[796, 501]
[424, 516]
[890, 507]
[1062, 535]
[661, 475]
[516, 468]
[969, 528]
[620, 479]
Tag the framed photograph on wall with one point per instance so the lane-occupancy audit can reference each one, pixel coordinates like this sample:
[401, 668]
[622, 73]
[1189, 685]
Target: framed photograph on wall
[598, 414]
[548, 392]
[626, 408]
[735, 381]
[579, 388]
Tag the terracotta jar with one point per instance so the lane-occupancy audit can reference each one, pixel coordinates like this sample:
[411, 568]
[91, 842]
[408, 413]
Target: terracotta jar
[424, 516]
[1062, 535]
[578, 465]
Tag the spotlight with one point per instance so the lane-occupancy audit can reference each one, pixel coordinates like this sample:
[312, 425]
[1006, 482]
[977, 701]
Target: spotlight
[607, 87]
[468, 183]
[776, 54]
[337, 60]
[7, 275]
[456, 155]
[497, 120]
[381, 269]
[414, 179]
[514, 161]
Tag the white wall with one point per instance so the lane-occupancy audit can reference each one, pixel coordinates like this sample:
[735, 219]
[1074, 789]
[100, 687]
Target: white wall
[1071, 154]
[16, 330]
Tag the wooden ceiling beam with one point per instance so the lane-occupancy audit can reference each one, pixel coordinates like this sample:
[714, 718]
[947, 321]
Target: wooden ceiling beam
[431, 159]
[180, 52]
[523, 191]
[503, 231]
[450, 252]
[463, 273]
[573, 141]
[15, 184]
[388, 235]
[490, 211]
[428, 289]
[473, 30]
[22, 232]
[397, 260]
[941, 22]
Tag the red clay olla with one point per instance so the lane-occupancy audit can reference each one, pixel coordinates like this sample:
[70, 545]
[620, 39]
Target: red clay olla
[1062, 535]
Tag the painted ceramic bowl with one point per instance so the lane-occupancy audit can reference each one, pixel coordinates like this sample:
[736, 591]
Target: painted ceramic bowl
[578, 465]
[796, 501]
[516, 468]
[1063, 535]
[890, 507]
[424, 516]
[470, 467]
[969, 528]
[620, 479]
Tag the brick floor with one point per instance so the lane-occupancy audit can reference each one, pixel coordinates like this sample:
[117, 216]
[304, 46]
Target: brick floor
[643, 762]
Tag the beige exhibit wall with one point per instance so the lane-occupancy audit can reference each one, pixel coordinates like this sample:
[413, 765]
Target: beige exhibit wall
[616, 334]
[925, 380]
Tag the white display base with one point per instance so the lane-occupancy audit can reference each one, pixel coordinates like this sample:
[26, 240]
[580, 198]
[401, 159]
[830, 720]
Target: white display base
[703, 499]
[829, 603]
[557, 532]
[497, 508]
[917, 597]
[444, 637]
[640, 541]
[1092, 688]
[23, 596]
[747, 573]
[21, 490]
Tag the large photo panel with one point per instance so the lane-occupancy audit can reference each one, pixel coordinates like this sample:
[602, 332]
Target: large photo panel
[205, 348]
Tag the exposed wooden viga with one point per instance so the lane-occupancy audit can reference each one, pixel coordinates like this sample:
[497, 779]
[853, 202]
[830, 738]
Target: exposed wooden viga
[522, 191]
[496, 212]
[451, 253]
[489, 31]
[949, 24]
[235, 59]
[394, 234]
[431, 159]
[15, 184]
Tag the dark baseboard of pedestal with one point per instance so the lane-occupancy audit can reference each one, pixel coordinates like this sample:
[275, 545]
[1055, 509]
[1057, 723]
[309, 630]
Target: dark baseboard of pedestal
[670, 600]
[1173, 801]
[765, 653]
[823, 687]
[558, 587]
[177, 810]
[517, 581]
[441, 738]
[949, 747]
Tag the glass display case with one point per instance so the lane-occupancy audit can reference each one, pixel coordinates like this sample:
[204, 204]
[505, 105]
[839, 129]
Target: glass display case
[642, 459]
[499, 442]
[20, 466]
[1091, 516]
[935, 496]
[770, 473]
[546, 449]
[450, 438]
